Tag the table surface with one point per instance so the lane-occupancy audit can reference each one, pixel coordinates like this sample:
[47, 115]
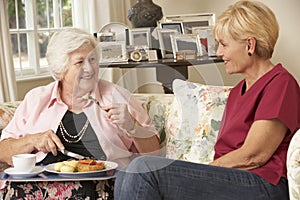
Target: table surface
[48, 176]
[168, 62]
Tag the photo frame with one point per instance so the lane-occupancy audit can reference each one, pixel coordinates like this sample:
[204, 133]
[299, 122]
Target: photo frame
[172, 25]
[207, 40]
[165, 42]
[186, 43]
[152, 55]
[112, 52]
[140, 37]
[189, 21]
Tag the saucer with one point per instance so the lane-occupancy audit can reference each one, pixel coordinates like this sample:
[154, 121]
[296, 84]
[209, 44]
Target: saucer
[17, 174]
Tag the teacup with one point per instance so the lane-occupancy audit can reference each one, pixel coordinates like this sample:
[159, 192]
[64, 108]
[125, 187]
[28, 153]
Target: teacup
[24, 162]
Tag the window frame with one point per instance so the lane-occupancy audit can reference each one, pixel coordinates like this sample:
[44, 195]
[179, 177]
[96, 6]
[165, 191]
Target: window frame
[32, 35]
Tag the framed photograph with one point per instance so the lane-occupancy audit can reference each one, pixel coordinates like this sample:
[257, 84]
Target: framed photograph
[152, 55]
[207, 40]
[189, 21]
[140, 37]
[165, 42]
[112, 52]
[186, 43]
[172, 25]
[106, 37]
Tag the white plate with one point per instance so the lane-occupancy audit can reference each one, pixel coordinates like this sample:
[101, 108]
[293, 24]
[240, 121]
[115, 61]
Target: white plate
[108, 171]
[17, 174]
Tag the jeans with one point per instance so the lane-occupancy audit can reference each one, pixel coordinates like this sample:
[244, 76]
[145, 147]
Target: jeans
[154, 178]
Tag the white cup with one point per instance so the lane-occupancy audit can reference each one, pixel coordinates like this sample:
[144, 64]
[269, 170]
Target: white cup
[24, 162]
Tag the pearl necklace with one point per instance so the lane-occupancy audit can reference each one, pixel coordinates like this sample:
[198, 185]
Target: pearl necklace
[77, 137]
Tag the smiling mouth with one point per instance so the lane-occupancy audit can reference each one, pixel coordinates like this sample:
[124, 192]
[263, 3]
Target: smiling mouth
[225, 61]
[87, 77]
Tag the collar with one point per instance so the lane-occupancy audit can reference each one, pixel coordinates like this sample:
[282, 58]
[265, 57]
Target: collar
[55, 95]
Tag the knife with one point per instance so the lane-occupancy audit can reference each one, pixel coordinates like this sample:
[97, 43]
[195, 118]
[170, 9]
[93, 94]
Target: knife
[71, 154]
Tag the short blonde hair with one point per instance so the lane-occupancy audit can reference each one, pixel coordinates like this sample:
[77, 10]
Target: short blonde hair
[61, 44]
[249, 19]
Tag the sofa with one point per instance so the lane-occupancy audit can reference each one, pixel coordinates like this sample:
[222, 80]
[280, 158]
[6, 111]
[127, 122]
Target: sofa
[188, 122]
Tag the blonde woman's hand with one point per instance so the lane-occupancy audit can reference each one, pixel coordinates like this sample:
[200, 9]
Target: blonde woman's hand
[118, 114]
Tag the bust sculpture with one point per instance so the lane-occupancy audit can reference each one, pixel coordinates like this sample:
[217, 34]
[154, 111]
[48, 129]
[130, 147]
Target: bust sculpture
[144, 14]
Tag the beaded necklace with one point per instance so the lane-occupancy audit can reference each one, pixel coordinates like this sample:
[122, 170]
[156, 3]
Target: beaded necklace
[77, 137]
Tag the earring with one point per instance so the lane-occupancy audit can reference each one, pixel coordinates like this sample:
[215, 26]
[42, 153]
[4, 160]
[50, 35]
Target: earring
[249, 53]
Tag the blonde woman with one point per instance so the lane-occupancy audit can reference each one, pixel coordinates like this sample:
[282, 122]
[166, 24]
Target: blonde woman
[262, 114]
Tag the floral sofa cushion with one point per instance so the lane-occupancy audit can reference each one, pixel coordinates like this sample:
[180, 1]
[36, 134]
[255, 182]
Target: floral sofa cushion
[293, 167]
[193, 120]
[7, 111]
[157, 105]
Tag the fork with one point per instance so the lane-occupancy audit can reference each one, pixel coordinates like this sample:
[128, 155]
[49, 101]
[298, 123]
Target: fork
[90, 97]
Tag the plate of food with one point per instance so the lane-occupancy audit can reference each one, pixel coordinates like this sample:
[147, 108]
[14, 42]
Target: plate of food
[84, 168]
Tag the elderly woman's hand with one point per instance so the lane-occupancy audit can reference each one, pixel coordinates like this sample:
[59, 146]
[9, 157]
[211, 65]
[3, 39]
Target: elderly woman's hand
[46, 142]
[119, 115]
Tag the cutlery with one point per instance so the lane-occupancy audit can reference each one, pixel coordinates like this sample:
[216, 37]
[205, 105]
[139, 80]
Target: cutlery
[89, 97]
[72, 154]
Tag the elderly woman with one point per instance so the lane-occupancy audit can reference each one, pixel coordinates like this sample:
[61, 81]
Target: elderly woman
[78, 112]
[262, 114]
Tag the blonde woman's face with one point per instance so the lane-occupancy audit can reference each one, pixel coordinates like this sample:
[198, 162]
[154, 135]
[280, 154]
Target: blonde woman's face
[82, 70]
[234, 54]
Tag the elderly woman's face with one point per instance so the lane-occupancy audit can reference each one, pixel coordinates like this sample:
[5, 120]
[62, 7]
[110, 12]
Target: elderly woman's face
[234, 54]
[82, 70]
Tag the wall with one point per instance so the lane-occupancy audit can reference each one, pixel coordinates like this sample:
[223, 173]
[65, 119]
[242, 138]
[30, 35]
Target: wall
[286, 51]
[25, 85]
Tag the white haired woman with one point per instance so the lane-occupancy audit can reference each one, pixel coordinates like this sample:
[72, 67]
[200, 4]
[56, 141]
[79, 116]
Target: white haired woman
[58, 116]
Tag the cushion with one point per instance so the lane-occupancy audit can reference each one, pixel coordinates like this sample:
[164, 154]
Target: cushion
[193, 120]
[293, 167]
[156, 106]
[7, 111]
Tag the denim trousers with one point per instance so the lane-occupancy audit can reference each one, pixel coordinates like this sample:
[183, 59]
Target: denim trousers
[154, 178]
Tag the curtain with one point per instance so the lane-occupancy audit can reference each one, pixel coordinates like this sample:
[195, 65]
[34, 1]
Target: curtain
[93, 14]
[8, 86]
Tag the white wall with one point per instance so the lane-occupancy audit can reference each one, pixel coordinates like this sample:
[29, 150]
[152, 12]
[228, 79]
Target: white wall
[287, 12]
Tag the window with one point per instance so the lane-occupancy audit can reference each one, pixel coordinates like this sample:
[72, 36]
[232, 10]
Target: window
[31, 23]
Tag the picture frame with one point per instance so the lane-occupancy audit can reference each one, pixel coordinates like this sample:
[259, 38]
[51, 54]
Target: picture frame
[105, 37]
[152, 55]
[207, 40]
[165, 42]
[112, 52]
[188, 43]
[172, 25]
[140, 37]
[189, 21]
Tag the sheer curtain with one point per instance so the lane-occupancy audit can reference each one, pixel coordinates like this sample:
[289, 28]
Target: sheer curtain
[8, 86]
[93, 14]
